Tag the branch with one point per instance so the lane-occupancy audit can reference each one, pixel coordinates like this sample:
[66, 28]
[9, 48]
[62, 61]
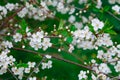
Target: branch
[64, 60]
[12, 74]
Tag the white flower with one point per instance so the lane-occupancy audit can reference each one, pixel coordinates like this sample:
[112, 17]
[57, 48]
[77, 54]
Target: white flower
[48, 56]
[71, 48]
[117, 67]
[27, 70]
[7, 44]
[116, 8]
[2, 71]
[111, 1]
[10, 60]
[79, 34]
[72, 19]
[36, 70]
[32, 78]
[100, 54]
[101, 77]
[38, 35]
[104, 68]
[82, 75]
[94, 77]
[99, 4]
[35, 45]
[72, 10]
[17, 71]
[17, 37]
[23, 12]
[44, 65]
[10, 6]
[97, 24]
[31, 64]
[35, 40]
[47, 65]
[46, 43]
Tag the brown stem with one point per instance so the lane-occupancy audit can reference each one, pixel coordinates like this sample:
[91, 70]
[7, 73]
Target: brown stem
[64, 60]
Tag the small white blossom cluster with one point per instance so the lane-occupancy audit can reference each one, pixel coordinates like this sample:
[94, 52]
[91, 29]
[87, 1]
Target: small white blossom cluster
[83, 75]
[104, 40]
[47, 65]
[100, 77]
[60, 6]
[6, 45]
[35, 12]
[19, 71]
[114, 1]
[5, 61]
[84, 38]
[5, 9]
[101, 68]
[32, 78]
[112, 54]
[38, 41]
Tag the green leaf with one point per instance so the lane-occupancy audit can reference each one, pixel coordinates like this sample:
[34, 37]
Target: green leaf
[22, 65]
[72, 28]
[91, 28]
[61, 24]
[64, 33]
[23, 25]
[106, 8]
[69, 39]
[96, 10]
[111, 32]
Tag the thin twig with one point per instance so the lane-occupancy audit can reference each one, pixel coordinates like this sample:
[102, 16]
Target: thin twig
[12, 74]
[35, 68]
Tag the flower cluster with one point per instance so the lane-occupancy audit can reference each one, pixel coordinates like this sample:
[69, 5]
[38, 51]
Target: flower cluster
[38, 41]
[8, 7]
[5, 61]
[21, 70]
[34, 12]
[47, 65]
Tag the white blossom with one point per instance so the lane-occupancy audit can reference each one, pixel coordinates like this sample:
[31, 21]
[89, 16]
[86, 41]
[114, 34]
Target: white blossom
[82, 75]
[97, 24]
[104, 68]
[17, 37]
